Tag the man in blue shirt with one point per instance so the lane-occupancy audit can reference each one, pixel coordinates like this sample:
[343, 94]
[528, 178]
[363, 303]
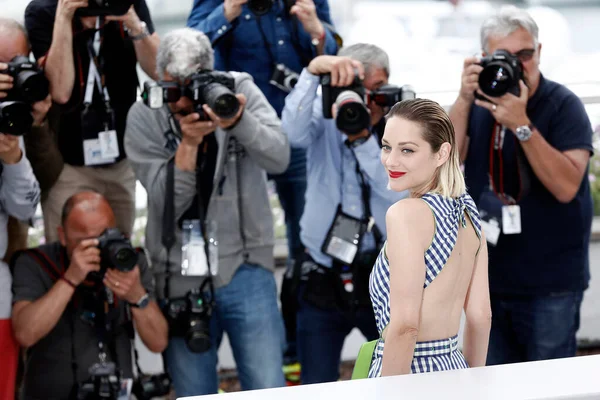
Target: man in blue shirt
[531, 186]
[347, 187]
[287, 35]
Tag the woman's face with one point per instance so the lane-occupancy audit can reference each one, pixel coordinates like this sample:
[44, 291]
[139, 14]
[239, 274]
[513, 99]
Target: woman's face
[408, 158]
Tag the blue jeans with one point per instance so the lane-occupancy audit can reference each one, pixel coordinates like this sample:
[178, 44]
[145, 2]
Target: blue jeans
[247, 310]
[533, 328]
[291, 187]
[320, 337]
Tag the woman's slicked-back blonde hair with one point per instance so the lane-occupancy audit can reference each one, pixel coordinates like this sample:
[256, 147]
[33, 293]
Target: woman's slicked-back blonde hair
[437, 129]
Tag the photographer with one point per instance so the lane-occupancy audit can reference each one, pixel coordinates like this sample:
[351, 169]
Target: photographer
[19, 189]
[203, 163]
[526, 145]
[272, 40]
[72, 295]
[346, 201]
[90, 52]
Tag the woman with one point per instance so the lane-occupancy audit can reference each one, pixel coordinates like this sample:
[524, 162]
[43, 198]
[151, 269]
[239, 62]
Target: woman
[434, 263]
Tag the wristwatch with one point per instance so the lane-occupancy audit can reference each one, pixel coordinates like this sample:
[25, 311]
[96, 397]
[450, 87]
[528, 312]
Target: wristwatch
[317, 41]
[145, 32]
[523, 133]
[142, 303]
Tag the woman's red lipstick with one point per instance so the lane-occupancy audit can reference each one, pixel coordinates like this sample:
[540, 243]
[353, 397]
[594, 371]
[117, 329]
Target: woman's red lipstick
[395, 175]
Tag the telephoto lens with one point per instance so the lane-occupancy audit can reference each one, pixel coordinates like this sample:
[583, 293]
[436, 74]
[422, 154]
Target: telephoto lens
[221, 100]
[501, 74]
[15, 118]
[352, 114]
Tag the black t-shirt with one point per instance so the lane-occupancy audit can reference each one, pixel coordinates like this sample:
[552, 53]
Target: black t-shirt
[48, 371]
[119, 66]
[551, 253]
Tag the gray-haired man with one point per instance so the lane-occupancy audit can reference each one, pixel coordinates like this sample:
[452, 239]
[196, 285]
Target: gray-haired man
[220, 166]
[526, 157]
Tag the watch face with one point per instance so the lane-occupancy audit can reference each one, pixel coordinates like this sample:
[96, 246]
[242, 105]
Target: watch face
[523, 133]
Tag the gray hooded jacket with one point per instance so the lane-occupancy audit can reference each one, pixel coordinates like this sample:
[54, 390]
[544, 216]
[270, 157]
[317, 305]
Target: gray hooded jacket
[239, 204]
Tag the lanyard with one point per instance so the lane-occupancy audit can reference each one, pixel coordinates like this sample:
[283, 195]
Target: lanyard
[365, 190]
[497, 171]
[93, 73]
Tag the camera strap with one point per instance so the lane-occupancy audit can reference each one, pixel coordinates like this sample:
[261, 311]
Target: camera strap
[168, 222]
[497, 172]
[94, 73]
[365, 190]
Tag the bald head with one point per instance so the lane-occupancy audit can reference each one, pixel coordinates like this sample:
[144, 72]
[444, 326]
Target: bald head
[85, 204]
[13, 37]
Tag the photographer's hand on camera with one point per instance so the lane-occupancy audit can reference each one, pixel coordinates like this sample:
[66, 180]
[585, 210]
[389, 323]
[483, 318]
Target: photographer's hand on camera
[65, 9]
[508, 110]
[342, 69]
[6, 81]
[85, 259]
[233, 8]
[130, 19]
[125, 285]
[229, 122]
[306, 11]
[469, 79]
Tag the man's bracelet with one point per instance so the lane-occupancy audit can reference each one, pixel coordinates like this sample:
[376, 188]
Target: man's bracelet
[74, 286]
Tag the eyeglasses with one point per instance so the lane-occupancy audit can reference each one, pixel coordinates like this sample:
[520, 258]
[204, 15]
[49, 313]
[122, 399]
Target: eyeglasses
[525, 54]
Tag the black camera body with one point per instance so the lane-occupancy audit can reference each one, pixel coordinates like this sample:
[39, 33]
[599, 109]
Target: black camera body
[29, 86]
[189, 317]
[104, 383]
[284, 78]
[148, 387]
[116, 251]
[104, 7]
[352, 113]
[388, 95]
[501, 74]
[262, 7]
[215, 88]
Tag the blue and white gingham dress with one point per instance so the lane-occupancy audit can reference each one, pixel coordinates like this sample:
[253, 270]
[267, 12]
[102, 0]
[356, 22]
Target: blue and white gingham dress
[437, 355]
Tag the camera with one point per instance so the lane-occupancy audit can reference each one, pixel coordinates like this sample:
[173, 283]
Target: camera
[189, 317]
[261, 7]
[147, 387]
[215, 88]
[388, 95]
[352, 114]
[103, 383]
[501, 74]
[104, 7]
[29, 86]
[284, 78]
[116, 251]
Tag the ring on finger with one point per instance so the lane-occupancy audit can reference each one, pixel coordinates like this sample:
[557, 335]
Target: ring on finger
[494, 107]
[117, 284]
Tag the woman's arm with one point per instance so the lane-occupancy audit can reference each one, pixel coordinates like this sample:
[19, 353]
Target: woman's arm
[410, 227]
[478, 311]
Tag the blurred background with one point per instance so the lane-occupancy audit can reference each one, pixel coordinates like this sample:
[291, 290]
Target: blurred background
[427, 41]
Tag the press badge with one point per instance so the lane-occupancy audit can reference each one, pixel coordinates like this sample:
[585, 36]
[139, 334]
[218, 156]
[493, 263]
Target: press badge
[194, 261]
[511, 220]
[491, 229]
[343, 238]
[109, 146]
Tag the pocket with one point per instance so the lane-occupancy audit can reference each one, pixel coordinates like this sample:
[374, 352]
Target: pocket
[321, 290]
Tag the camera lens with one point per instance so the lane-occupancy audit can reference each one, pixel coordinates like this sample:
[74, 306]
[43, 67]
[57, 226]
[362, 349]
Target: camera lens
[352, 114]
[198, 335]
[221, 100]
[122, 256]
[15, 118]
[32, 85]
[497, 78]
[260, 7]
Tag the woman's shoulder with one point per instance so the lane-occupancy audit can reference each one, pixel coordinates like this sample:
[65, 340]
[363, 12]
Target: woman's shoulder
[411, 214]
